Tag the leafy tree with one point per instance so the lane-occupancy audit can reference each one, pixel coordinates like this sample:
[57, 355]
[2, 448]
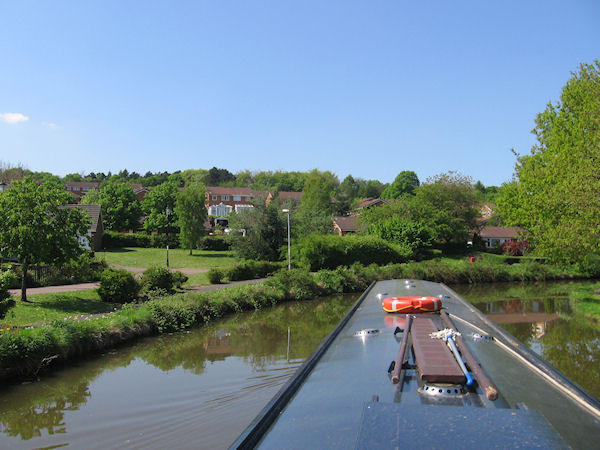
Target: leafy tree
[35, 229]
[555, 191]
[441, 210]
[314, 213]
[370, 188]
[447, 203]
[121, 209]
[347, 191]
[265, 231]
[217, 177]
[191, 214]
[73, 177]
[156, 203]
[405, 183]
[10, 173]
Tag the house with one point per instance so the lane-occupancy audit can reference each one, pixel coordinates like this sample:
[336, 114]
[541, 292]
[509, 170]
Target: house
[222, 201]
[96, 230]
[140, 191]
[494, 237]
[4, 186]
[345, 224]
[80, 188]
[286, 197]
[369, 202]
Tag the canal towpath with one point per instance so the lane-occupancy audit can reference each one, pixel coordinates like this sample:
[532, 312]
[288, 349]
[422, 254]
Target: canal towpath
[137, 271]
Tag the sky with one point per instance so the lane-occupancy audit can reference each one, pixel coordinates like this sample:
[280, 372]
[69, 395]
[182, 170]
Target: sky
[366, 88]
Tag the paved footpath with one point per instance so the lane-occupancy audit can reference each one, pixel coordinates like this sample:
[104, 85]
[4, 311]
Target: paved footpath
[96, 284]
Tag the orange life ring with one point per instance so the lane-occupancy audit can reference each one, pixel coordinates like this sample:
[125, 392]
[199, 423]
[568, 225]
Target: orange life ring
[411, 305]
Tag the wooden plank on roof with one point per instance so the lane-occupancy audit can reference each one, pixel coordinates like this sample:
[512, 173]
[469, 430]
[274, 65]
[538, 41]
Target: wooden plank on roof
[435, 362]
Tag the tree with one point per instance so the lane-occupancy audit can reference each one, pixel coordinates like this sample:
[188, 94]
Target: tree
[121, 209]
[217, 177]
[155, 205]
[447, 203]
[555, 191]
[191, 214]
[314, 213]
[405, 183]
[265, 231]
[35, 229]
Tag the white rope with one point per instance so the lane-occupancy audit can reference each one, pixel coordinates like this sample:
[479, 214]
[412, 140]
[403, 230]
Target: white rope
[445, 334]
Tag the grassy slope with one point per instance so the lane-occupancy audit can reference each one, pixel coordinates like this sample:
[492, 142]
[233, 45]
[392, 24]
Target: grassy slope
[46, 307]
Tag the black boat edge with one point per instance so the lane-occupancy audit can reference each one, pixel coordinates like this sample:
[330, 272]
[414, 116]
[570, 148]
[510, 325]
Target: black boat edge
[265, 418]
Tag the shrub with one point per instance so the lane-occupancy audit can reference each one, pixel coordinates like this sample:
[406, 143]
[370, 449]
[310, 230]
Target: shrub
[157, 278]
[6, 281]
[295, 284]
[113, 239]
[215, 276]
[213, 243]
[172, 314]
[515, 248]
[330, 251]
[161, 241]
[179, 278]
[118, 285]
[249, 270]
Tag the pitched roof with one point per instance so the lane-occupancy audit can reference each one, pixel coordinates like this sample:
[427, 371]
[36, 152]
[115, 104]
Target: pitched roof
[95, 212]
[500, 232]
[221, 190]
[90, 184]
[138, 187]
[287, 195]
[370, 202]
[345, 223]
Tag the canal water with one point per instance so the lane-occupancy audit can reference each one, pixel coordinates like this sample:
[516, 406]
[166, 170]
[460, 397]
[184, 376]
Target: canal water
[196, 389]
[200, 389]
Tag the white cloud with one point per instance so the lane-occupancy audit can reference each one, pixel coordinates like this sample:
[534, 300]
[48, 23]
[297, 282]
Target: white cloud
[50, 125]
[13, 117]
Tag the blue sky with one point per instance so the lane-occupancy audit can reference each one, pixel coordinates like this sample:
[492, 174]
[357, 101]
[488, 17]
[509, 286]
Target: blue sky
[367, 88]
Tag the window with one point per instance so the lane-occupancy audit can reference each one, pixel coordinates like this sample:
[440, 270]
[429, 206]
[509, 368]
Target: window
[214, 197]
[237, 198]
[225, 198]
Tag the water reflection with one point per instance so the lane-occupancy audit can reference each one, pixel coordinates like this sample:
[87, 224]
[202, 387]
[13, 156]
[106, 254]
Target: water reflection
[194, 389]
[540, 316]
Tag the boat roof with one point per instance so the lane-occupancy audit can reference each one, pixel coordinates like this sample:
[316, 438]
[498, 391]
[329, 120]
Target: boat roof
[343, 396]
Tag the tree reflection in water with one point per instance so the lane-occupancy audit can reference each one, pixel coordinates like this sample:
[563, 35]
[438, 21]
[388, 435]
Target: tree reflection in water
[37, 409]
[540, 316]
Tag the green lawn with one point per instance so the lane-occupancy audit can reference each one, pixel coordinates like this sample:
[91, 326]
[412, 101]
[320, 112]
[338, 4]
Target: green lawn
[46, 307]
[178, 258]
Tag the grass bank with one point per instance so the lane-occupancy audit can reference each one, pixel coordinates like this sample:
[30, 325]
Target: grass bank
[24, 352]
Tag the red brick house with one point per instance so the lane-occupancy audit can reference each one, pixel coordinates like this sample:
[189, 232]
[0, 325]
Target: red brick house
[345, 224]
[80, 188]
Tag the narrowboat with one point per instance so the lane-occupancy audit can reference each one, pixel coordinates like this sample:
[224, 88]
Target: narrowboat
[441, 376]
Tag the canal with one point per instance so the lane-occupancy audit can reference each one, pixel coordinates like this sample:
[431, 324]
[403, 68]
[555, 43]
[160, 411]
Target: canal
[200, 389]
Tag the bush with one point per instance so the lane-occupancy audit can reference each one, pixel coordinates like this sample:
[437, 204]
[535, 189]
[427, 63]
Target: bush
[330, 251]
[295, 284]
[157, 278]
[179, 278]
[214, 243]
[113, 239]
[6, 281]
[250, 270]
[215, 276]
[118, 286]
[161, 241]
